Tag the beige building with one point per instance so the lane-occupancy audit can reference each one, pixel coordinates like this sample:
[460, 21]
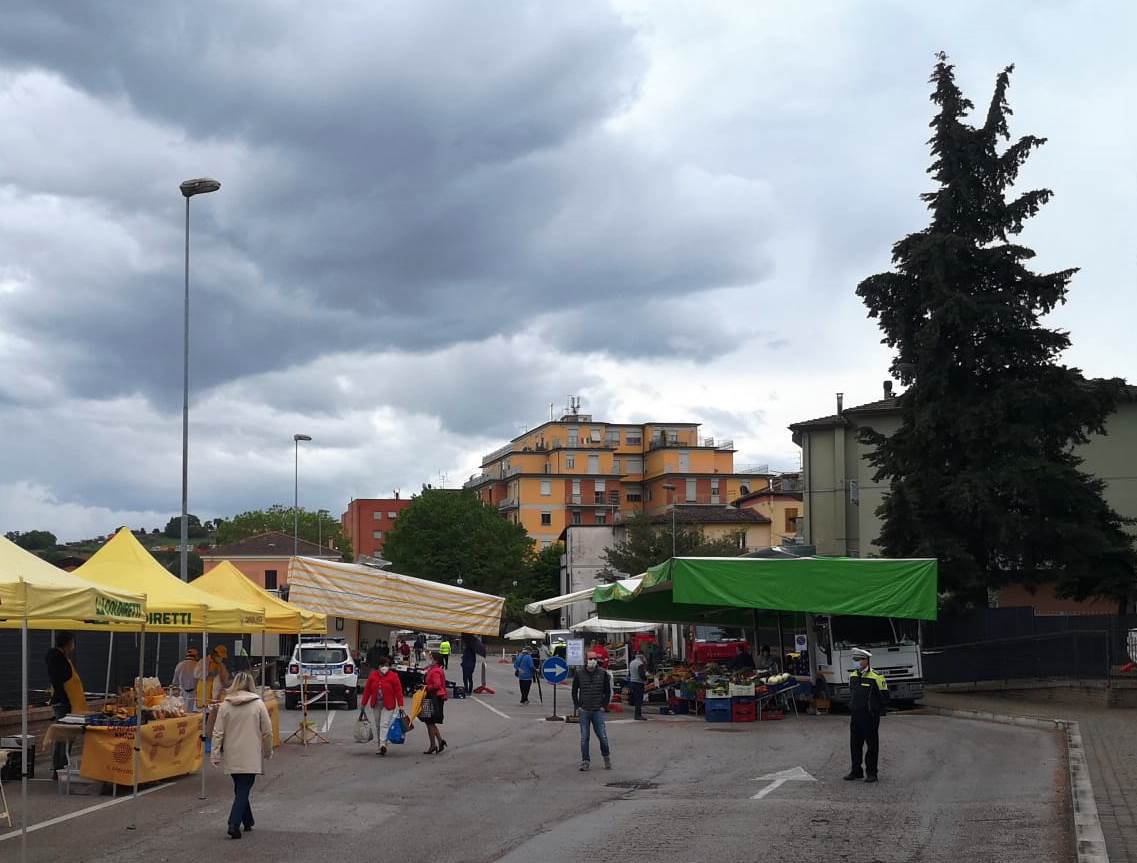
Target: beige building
[840, 498]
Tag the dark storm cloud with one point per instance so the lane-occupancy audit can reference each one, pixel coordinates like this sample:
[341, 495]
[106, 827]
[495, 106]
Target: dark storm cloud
[398, 176]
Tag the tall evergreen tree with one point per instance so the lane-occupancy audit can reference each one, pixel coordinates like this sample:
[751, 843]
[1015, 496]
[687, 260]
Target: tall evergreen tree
[982, 471]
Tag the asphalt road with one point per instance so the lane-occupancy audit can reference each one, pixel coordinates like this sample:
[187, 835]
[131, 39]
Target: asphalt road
[508, 789]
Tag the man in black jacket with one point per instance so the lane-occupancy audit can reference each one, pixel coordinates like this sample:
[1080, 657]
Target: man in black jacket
[58, 673]
[592, 691]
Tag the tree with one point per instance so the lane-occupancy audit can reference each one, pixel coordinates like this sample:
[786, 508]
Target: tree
[445, 535]
[32, 540]
[193, 528]
[316, 526]
[647, 544]
[540, 579]
[982, 472]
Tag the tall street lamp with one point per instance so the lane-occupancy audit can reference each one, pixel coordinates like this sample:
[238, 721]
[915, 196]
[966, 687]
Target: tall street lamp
[296, 438]
[671, 489]
[189, 188]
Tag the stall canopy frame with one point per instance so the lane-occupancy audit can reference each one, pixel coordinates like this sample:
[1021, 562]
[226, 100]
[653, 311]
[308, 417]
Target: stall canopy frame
[379, 596]
[723, 591]
[281, 618]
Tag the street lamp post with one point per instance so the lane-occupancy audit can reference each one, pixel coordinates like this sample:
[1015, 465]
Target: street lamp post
[189, 188]
[296, 438]
[671, 489]
[320, 513]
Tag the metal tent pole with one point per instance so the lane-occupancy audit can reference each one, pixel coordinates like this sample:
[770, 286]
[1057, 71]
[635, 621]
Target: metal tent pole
[24, 731]
[204, 706]
[157, 649]
[139, 689]
[110, 652]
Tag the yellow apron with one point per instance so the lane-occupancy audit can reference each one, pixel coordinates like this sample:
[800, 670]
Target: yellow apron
[209, 690]
[73, 689]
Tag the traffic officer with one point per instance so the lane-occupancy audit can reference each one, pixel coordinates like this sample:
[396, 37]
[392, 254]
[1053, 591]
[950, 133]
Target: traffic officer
[444, 652]
[867, 691]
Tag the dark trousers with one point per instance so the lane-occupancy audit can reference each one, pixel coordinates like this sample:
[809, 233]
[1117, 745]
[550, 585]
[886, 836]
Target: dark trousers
[242, 812]
[525, 685]
[59, 750]
[468, 678]
[636, 691]
[863, 728]
[445, 660]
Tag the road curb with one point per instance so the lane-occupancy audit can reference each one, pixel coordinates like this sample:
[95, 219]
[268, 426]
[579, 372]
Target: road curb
[1089, 839]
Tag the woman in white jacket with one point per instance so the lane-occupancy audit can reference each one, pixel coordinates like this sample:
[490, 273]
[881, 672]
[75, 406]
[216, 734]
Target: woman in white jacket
[242, 739]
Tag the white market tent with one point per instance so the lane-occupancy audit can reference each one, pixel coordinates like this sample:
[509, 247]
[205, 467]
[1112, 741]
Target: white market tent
[523, 633]
[378, 596]
[596, 624]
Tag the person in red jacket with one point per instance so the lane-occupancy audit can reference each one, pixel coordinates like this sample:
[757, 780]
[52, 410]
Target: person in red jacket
[435, 683]
[383, 697]
[601, 653]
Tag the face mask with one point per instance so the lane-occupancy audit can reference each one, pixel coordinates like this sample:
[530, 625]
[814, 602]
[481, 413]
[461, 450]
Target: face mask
[592, 663]
[383, 669]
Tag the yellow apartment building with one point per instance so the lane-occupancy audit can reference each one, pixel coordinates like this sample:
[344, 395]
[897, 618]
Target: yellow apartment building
[578, 471]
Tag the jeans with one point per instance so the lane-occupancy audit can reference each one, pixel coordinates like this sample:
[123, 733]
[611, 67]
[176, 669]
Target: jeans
[525, 685]
[381, 721]
[636, 690]
[59, 750]
[468, 678]
[242, 812]
[588, 720]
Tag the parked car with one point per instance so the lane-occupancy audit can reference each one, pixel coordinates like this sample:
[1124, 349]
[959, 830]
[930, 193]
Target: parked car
[325, 665]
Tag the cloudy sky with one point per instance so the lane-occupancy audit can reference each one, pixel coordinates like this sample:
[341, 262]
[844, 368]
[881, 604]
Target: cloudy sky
[437, 218]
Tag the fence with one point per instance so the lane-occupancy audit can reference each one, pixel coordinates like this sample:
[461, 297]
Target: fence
[1079, 654]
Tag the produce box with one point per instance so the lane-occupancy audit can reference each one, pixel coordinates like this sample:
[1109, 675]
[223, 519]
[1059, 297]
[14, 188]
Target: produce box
[718, 710]
[741, 690]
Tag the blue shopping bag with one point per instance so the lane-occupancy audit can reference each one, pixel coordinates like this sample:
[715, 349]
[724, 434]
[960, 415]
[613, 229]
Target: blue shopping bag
[396, 734]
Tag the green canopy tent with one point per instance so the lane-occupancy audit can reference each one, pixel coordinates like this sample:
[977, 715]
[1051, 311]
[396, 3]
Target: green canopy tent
[725, 591]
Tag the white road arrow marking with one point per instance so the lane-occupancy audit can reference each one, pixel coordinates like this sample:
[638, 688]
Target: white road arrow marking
[779, 779]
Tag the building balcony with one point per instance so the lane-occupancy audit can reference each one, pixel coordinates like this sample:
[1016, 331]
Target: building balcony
[507, 503]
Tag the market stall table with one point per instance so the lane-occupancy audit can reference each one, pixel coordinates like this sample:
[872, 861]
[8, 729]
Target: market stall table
[169, 747]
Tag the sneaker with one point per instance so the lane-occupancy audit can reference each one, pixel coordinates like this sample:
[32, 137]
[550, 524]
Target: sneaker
[607, 763]
[871, 778]
[584, 765]
[849, 777]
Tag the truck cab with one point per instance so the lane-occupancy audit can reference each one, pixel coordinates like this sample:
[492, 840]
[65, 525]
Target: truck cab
[895, 648]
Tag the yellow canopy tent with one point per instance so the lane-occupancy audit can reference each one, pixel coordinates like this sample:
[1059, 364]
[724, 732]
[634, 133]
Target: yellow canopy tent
[36, 595]
[227, 581]
[171, 604]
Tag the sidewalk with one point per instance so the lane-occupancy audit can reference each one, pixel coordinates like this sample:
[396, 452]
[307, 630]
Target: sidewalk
[1110, 738]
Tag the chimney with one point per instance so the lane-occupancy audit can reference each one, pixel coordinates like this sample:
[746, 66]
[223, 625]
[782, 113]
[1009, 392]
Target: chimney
[840, 403]
[396, 494]
[888, 389]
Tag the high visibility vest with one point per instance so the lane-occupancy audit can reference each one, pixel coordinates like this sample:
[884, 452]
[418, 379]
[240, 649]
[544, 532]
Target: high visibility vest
[444, 648]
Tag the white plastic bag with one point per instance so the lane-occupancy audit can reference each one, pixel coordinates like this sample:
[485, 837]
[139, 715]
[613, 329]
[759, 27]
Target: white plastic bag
[363, 731]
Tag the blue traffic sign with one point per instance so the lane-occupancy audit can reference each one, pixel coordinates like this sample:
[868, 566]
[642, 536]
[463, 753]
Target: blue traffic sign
[554, 669]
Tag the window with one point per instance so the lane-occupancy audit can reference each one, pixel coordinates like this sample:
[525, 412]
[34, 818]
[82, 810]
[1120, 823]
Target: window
[634, 465]
[634, 497]
[546, 519]
[270, 579]
[599, 497]
[594, 435]
[376, 534]
[691, 489]
[613, 498]
[599, 485]
[576, 486]
[392, 515]
[576, 516]
[684, 461]
[574, 437]
[570, 461]
[593, 463]
[546, 488]
[601, 518]
[613, 437]
[791, 519]
[616, 465]
[378, 516]
[673, 437]
[633, 439]
[714, 486]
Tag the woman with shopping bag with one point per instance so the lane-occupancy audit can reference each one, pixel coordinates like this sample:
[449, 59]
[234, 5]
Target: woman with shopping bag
[435, 698]
[383, 696]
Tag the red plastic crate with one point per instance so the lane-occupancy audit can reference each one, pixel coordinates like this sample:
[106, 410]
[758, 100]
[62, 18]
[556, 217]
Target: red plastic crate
[744, 713]
[773, 714]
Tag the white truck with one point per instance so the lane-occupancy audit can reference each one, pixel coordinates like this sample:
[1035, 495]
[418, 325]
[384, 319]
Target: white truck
[895, 648]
